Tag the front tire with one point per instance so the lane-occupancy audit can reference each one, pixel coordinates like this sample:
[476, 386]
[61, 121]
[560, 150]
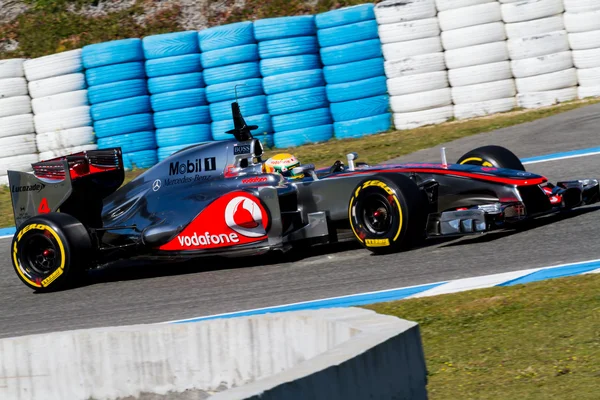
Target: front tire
[388, 214]
[49, 250]
[492, 156]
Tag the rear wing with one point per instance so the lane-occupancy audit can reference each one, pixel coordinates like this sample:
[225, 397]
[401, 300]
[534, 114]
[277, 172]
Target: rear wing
[74, 184]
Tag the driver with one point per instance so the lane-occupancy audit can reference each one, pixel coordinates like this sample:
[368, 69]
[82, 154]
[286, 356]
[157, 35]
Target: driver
[283, 163]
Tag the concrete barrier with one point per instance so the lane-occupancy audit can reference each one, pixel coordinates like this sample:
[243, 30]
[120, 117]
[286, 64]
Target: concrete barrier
[346, 353]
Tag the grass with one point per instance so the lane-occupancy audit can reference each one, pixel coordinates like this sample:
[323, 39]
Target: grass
[534, 341]
[380, 147]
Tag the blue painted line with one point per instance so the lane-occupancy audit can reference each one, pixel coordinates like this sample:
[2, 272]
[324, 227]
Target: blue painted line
[7, 231]
[551, 273]
[343, 301]
[562, 155]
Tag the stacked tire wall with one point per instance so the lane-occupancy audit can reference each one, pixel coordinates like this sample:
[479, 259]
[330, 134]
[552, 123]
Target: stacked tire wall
[302, 79]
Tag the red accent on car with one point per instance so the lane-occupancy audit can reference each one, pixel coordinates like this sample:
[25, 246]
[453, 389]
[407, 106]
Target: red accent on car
[243, 217]
[80, 164]
[43, 208]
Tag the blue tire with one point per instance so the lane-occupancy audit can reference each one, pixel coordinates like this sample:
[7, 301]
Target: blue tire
[123, 125]
[351, 52]
[231, 55]
[173, 65]
[293, 81]
[181, 135]
[354, 71]
[288, 47]
[248, 105]
[117, 90]
[263, 121]
[170, 44]
[363, 126]
[226, 91]
[115, 73]
[230, 73]
[180, 99]
[299, 137]
[182, 117]
[362, 108]
[174, 83]
[283, 27]
[113, 52]
[302, 119]
[284, 65]
[357, 90]
[140, 159]
[120, 108]
[296, 101]
[226, 36]
[344, 16]
[129, 142]
[352, 33]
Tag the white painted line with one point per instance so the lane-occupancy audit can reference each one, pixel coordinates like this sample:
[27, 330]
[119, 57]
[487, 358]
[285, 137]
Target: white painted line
[561, 158]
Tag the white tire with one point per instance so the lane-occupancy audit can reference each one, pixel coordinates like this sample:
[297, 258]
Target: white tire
[586, 58]
[11, 87]
[528, 10]
[469, 16]
[415, 119]
[445, 5]
[538, 45]
[57, 85]
[473, 35]
[391, 11]
[411, 30]
[15, 106]
[60, 101]
[65, 139]
[421, 101]
[63, 119]
[480, 74]
[589, 77]
[421, 64]
[16, 125]
[401, 50]
[17, 145]
[484, 92]
[417, 83]
[481, 109]
[49, 155]
[18, 163]
[545, 82]
[584, 92]
[584, 40]
[68, 62]
[581, 6]
[542, 64]
[11, 68]
[535, 27]
[545, 99]
[476, 55]
[584, 22]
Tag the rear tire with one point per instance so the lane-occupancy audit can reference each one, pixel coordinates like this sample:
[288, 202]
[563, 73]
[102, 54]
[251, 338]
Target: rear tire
[50, 250]
[492, 156]
[388, 214]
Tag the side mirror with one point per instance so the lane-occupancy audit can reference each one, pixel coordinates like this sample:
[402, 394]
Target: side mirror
[351, 157]
[307, 168]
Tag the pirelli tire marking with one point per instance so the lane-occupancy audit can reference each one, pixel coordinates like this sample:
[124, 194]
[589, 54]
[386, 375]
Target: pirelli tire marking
[477, 159]
[23, 272]
[385, 242]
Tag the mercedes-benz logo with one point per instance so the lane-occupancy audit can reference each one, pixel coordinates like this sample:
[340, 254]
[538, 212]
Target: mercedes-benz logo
[156, 185]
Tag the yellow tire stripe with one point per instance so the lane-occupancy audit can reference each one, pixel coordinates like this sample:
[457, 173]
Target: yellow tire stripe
[350, 219]
[477, 159]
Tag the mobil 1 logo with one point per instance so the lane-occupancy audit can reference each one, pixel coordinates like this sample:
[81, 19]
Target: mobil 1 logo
[193, 166]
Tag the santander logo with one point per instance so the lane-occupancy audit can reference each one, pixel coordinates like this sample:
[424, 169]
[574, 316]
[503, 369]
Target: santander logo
[244, 216]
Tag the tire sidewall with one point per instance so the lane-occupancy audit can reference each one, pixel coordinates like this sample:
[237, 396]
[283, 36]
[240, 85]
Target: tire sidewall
[492, 156]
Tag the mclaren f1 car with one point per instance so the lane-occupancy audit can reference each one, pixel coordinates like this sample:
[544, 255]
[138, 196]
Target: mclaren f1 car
[73, 213]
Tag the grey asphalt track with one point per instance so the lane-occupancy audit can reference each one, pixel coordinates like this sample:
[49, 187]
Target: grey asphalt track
[150, 293]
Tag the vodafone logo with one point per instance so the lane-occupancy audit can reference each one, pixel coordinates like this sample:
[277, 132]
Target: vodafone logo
[244, 216]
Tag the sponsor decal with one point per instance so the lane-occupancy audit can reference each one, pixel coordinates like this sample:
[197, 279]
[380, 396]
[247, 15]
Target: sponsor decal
[193, 166]
[256, 179]
[186, 179]
[233, 219]
[38, 187]
[378, 184]
[52, 277]
[377, 242]
[242, 149]
[156, 185]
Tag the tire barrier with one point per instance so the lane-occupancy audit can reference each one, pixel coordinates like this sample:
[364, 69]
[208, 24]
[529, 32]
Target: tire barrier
[177, 92]
[120, 104]
[17, 134]
[356, 82]
[293, 80]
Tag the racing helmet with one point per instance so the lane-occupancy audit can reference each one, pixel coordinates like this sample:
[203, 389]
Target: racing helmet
[283, 163]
